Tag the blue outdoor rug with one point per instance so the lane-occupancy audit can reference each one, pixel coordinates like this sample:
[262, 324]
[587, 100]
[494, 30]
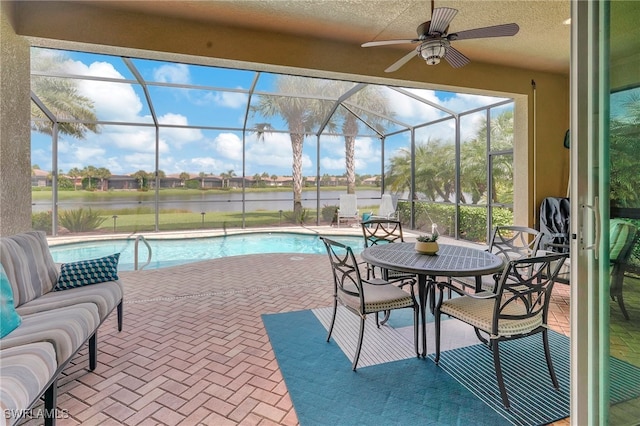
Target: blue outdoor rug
[462, 390]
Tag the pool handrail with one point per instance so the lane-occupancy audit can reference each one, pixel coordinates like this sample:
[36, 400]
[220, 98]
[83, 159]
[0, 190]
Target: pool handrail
[135, 253]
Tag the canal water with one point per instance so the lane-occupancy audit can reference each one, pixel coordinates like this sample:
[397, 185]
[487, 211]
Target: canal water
[210, 202]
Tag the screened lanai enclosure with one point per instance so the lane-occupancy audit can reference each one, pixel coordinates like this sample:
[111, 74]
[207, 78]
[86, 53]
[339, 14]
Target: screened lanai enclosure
[129, 145]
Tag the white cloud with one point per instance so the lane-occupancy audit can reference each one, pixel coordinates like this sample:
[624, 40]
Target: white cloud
[366, 152]
[210, 165]
[112, 101]
[87, 155]
[139, 161]
[176, 136]
[231, 99]
[228, 145]
[172, 73]
[140, 140]
[274, 151]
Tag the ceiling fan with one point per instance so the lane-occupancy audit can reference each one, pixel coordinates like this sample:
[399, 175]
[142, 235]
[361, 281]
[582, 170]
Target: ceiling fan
[435, 43]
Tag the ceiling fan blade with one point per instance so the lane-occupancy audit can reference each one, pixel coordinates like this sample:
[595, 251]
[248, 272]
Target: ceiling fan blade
[400, 62]
[455, 58]
[387, 42]
[441, 18]
[503, 30]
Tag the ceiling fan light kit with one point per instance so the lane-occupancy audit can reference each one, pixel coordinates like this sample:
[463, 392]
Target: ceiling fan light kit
[435, 43]
[433, 50]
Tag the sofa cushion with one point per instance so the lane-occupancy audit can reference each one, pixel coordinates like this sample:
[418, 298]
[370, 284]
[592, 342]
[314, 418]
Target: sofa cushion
[24, 372]
[105, 295]
[65, 328]
[9, 318]
[28, 264]
[87, 272]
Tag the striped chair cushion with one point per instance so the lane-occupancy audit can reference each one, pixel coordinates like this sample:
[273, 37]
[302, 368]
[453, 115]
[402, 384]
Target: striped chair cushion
[620, 234]
[28, 264]
[479, 313]
[106, 296]
[379, 298]
[24, 372]
[66, 328]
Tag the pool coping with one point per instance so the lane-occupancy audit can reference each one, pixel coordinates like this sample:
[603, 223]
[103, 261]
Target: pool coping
[310, 230]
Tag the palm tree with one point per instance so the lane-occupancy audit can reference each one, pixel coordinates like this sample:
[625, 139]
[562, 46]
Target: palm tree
[142, 178]
[301, 114]
[184, 177]
[625, 145]
[473, 162]
[74, 174]
[89, 172]
[371, 105]
[103, 174]
[227, 177]
[60, 96]
[434, 169]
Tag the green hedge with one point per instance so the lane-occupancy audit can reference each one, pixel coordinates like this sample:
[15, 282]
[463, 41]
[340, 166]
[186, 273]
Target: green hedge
[473, 220]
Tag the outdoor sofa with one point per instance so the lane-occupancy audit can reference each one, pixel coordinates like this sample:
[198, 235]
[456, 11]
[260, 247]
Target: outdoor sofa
[55, 310]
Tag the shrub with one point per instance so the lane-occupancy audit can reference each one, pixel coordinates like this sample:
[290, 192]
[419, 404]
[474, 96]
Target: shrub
[300, 219]
[472, 220]
[328, 212]
[42, 221]
[81, 220]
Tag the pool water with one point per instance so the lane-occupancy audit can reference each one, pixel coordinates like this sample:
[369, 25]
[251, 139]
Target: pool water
[172, 252]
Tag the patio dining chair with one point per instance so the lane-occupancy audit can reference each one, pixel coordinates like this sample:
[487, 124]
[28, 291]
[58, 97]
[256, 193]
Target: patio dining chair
[385, 231]
[517, 308]
[364, 296]
[510, 243]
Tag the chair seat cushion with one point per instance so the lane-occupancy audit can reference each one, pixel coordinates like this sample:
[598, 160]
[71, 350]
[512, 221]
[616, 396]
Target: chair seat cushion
[479, 313]
[24, 372]
[65, 328]
[379, 298]
[105, 296]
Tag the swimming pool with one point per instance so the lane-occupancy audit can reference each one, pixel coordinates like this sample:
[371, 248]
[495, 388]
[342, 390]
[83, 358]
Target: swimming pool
[171, 252]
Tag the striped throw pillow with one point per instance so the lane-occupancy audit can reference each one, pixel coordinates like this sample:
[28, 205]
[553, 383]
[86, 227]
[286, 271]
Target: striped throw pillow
[87, 272]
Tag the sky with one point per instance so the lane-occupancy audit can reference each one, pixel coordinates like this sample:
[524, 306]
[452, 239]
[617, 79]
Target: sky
[218, 106]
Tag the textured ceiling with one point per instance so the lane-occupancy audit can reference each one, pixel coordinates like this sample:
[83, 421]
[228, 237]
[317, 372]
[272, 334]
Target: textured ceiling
[543, 42]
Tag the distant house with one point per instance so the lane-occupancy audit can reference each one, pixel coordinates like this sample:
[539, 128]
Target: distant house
[40, 178]
[122, 182]
[372, 181]
[170, 182]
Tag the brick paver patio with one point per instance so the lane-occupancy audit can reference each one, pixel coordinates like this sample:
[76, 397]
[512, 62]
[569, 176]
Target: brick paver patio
[193, 349]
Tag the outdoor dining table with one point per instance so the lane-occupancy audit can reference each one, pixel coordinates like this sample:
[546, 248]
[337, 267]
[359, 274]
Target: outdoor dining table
[450, 261]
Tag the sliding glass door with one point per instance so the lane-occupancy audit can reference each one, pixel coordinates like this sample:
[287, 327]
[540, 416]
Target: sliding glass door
[605, 138]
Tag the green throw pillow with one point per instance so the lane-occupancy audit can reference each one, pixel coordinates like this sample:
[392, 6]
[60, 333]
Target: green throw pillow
[9, 318]
[87, 272]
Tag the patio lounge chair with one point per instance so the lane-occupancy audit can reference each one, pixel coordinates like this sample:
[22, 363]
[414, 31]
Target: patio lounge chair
[386, 210]
[361, 296]
[518, 308]
[348, 209]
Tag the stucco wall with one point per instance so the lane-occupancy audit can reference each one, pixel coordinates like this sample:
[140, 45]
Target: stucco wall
[15, 145]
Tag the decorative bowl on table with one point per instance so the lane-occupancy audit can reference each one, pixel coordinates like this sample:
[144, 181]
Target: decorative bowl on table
[427, 247]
